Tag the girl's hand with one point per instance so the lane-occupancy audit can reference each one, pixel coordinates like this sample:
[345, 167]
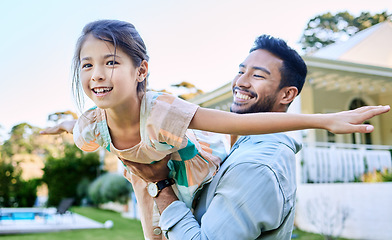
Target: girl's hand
[149, 172]
[352, 121]
[66, 126]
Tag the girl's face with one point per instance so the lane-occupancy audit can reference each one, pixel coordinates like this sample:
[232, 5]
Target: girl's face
[108, 78]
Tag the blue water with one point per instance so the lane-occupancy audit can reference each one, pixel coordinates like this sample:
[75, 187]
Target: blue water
[24, 216]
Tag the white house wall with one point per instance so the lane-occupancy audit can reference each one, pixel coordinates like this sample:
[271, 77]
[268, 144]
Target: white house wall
[367, 205]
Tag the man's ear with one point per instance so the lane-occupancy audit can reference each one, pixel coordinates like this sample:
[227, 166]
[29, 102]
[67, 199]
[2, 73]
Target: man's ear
[289, 93]
[142, 71]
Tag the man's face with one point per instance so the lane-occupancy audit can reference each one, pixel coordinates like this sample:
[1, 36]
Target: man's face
[255, 88]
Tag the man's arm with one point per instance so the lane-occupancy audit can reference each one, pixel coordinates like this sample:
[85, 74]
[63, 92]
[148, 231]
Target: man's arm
[247, 200]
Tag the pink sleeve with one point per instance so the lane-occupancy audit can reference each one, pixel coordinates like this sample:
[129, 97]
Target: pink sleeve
[85, 133]
[168, 119]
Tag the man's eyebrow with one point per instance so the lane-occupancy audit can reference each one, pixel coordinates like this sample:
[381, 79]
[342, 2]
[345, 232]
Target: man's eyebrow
[262, 69]
[257, 68]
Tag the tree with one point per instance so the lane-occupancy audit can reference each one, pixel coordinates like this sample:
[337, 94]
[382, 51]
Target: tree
[64, 174]
[14, 191]
[8, 177]
[327, 28]
[191, 90]
[21, 140]
[57, 116]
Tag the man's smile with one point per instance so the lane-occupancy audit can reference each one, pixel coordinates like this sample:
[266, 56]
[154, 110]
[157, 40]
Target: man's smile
[242, 95]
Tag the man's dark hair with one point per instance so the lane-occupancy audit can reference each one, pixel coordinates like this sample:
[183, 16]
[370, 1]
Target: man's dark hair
[294, 70]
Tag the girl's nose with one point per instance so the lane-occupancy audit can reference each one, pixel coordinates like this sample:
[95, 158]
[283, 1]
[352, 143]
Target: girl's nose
[98, 74]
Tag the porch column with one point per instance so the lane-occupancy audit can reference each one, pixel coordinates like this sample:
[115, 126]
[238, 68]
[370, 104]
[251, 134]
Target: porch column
[295, 107]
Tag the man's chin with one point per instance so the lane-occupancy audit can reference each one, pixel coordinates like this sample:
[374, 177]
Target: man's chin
[265, 106]
[234, 108]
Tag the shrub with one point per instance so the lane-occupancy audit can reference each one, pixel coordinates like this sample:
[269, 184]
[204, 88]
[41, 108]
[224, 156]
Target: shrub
[377, 176]
[387, 175]
[109, 187]
[82, 190]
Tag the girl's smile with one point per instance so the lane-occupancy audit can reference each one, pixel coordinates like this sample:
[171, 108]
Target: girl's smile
[101, 91]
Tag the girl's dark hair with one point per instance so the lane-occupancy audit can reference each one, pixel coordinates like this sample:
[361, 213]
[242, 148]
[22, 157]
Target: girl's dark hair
[122, 35]
[294, 70]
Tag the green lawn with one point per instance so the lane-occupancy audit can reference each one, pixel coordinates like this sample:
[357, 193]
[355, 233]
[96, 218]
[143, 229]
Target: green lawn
[300, 235]
[123, 229]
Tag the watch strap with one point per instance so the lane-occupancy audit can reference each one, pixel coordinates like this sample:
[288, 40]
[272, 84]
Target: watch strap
[165, 183]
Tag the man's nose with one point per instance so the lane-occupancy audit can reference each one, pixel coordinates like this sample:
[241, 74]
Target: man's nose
[242, 81]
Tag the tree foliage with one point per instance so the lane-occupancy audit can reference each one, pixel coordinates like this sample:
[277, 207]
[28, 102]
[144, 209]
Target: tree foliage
[191, 90]
[328, 28]
[62, 116]
[65, 173]
[21, 140]
[14, 191]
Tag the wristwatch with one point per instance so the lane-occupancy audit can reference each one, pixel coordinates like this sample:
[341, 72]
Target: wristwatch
[154, 188]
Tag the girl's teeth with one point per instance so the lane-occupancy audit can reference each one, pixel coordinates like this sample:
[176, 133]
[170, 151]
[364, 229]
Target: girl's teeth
[101, 90]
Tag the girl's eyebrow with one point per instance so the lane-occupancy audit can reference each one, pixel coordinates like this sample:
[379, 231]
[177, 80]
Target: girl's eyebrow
[111, 55]
[85, 58]
[106, 56]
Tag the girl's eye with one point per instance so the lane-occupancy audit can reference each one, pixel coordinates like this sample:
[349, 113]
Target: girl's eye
[111, 63]
[87, 65]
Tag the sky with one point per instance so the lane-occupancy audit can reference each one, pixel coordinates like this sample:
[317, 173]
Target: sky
[201, 42]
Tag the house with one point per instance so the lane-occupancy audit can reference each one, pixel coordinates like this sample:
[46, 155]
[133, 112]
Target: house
[342, 76]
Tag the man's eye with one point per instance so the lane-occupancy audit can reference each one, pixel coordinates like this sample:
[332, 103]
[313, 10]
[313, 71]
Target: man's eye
[240, 72]
[87, 65]
[258, 76]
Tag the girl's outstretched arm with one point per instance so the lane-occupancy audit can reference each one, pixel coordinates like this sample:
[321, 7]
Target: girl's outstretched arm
[66, 126]
[261, 123]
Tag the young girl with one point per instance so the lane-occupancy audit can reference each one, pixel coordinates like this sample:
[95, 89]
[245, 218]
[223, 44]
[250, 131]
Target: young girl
[111, 66]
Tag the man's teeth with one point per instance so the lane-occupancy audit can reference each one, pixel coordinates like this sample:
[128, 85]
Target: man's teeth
[102, 90]
[242, 96]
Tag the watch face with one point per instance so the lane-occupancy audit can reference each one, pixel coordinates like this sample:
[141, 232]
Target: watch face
[152, 189]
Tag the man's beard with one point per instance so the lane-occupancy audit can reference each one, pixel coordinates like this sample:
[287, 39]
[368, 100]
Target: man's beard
[263, 105]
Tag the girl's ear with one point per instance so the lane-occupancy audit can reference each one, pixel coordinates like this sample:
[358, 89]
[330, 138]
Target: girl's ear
[289, 93]
[142, 71]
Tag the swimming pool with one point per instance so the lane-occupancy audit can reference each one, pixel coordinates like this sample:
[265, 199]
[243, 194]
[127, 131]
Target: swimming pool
[16, 214]
[31, 220]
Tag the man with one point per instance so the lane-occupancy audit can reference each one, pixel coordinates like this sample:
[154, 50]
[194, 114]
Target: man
[253, 194]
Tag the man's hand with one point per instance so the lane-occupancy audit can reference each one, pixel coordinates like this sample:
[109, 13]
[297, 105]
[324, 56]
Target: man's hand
[351, 121]
[154, 173]
[150, 172]
[66, 126]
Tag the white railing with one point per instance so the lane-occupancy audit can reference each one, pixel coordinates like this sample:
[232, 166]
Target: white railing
[330, 162]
